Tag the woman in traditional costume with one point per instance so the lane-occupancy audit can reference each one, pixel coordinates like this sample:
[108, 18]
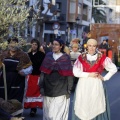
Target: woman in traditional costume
[17, 65]
[56, 82]
[33, 98]
[90, 100]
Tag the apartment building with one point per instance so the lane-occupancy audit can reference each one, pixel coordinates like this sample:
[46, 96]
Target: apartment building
[81, 9]
[116, 10]
[64, 23]
[55, 26]
[112, 9]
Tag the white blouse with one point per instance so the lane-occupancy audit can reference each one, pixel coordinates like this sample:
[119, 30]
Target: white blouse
[74, 55]
[57, 55]
[108, 65]
[90, 98]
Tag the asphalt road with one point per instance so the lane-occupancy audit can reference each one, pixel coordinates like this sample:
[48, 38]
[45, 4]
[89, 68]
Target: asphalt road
[113, 88]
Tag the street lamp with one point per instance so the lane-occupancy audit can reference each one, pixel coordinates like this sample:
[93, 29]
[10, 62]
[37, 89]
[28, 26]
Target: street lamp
[77, 23]
[67, 33]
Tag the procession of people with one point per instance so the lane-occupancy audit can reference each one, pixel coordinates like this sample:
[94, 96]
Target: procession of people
[44, 78]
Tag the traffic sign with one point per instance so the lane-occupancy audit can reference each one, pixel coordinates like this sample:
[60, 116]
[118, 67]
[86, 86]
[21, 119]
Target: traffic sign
[56, 25]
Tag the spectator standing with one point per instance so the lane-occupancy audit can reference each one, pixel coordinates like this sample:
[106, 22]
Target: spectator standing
[45, 48]
[104, 45]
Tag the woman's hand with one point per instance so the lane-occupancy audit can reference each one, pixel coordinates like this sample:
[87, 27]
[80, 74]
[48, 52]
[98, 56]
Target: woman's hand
[100, 77]
[96, 75]
[93, 74]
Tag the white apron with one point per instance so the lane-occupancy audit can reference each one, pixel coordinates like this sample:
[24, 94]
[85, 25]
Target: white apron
[90, 98]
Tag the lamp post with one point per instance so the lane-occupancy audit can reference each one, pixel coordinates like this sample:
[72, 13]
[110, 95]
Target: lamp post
[67, 33]
[77, 23]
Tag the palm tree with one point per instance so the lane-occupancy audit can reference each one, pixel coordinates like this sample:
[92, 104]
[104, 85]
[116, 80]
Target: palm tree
[99, 15]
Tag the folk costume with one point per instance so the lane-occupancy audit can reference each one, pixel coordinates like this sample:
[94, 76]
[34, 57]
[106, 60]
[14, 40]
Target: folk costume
[57, 83]
[33, 97]
[15, 82]
[90, 101]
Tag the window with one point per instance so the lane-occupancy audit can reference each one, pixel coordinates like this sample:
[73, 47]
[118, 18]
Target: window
[72, 7]
[58, 5]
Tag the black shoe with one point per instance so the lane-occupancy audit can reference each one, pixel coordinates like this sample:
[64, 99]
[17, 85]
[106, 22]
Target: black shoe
[33, 112]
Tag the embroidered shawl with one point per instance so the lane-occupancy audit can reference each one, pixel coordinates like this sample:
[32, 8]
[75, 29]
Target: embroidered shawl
[62, 65]
[96, 66]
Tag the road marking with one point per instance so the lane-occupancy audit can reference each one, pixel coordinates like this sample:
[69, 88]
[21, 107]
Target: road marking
[115, 101]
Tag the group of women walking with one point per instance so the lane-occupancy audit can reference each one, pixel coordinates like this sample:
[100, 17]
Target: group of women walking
[49, 78]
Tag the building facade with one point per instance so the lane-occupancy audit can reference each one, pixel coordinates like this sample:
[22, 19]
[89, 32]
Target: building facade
[69, 22]
[56, 27]
[79, 16]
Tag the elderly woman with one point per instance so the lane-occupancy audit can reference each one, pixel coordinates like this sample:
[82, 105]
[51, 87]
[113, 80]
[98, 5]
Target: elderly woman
[90, 101]
[57, 83]
[18, 65]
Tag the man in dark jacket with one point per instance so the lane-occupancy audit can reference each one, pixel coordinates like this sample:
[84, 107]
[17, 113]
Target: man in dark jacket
[104, 45]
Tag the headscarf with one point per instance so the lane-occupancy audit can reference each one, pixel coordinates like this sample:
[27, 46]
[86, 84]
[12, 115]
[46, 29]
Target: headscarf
[60, 41]
[92, 41]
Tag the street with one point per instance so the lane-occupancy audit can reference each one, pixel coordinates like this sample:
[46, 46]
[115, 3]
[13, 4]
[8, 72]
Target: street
[113, 88]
